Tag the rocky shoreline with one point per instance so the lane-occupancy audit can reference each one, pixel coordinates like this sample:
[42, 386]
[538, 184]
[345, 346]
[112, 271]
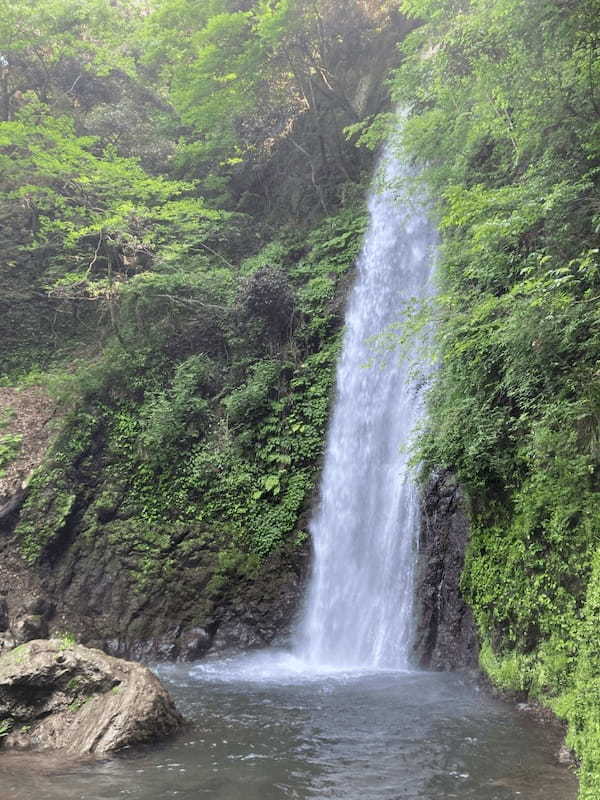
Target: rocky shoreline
[445, 638]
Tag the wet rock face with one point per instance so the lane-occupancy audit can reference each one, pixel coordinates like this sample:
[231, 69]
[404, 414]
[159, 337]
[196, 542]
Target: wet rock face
[445, 632]
[59, 696]
[88, 589]
[24, 609]
[179, 620]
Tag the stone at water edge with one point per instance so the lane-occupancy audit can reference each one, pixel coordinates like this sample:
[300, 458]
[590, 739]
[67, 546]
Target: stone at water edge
[59, 696]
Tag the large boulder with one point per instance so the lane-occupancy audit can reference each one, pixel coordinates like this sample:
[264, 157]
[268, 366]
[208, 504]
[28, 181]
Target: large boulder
[56, 695]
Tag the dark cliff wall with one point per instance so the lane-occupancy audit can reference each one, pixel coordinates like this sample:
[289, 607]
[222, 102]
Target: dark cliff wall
[89, 591]
[445, 634]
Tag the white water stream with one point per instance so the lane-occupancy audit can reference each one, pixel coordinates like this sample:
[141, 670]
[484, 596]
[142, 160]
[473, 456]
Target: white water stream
[358, 610]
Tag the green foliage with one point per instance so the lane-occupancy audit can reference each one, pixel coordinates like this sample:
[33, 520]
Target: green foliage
[510, 672]
[47, 511]
[169, 417]
[249, 402]
[66, 641]
[273, 254]
[270, 79]
[105, 107]
[10, 444]
[208, 435]
[232, 564]
[80, 222]
[580, 704]
[52, 492]
[87, 213]
[504, 115]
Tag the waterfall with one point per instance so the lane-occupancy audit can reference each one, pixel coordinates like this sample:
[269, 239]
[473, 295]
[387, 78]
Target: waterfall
[359, 604]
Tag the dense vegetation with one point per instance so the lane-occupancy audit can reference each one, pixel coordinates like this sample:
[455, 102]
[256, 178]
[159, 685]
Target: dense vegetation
[180, 209]
[136, 145]
[180, 205]
[505, 111]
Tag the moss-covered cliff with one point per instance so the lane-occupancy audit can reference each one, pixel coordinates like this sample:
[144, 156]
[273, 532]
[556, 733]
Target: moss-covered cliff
[182, 209]
[504, 111]
[173, 503]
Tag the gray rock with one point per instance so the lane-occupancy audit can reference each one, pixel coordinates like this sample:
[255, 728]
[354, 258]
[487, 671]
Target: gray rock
[445, 631]
[90, 587]
[59, 696]
[566, 756]
[7, 642]
[4, 621]
[194, 644]
[30, 626]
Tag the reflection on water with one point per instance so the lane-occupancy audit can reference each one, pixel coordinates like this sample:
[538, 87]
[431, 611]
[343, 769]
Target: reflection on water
[263, 729]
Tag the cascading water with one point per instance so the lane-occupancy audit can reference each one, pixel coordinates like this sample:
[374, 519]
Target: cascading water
[359, 604]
